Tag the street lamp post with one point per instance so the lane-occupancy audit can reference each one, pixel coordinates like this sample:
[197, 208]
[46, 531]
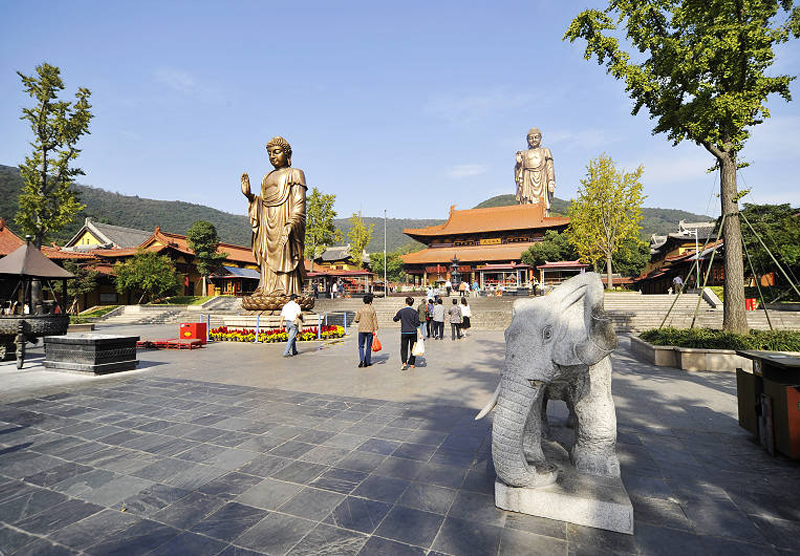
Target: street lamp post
[697, 256]
[385, 281]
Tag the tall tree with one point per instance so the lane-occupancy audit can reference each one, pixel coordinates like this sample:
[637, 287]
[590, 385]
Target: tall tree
[85, 281]
[147, 273]
[47, 203]
[553, 247]
[700, 69]
[359, 237]
[779, 228]
[320, 230]
[204, 241]
[606, 213]
[632, 257]
[394, 266]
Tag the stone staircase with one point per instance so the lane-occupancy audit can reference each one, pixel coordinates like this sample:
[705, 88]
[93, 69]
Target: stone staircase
[629, 312]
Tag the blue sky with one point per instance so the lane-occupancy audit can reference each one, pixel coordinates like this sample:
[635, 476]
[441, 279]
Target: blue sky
[404, 106]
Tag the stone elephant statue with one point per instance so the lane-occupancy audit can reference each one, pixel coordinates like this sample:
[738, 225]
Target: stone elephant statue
[557, 347]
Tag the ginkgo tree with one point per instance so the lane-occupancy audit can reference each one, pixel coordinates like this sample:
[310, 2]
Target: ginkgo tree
[606, 213]
[700, 68]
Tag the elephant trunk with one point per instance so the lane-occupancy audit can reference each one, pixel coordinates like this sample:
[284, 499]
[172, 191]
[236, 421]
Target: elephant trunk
[513, 407]
[601, 339]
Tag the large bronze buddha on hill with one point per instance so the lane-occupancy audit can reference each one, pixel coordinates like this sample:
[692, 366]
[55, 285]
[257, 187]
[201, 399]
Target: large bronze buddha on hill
[535, 174]
[278, 221]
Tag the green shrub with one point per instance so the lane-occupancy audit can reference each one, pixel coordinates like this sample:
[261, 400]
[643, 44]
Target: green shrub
[707, 338]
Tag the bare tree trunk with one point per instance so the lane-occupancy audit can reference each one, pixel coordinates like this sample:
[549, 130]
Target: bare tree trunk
[609, 284]
[734, 318]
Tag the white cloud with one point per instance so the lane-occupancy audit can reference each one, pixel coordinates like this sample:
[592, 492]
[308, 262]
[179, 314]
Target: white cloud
[471, 108]
[185, 83]
[467, 170]
[775, 139]
[675, 168]
[130, 135]
[585, 139]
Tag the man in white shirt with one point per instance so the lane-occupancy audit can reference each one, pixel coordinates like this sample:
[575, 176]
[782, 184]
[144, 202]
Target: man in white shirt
[292, 315]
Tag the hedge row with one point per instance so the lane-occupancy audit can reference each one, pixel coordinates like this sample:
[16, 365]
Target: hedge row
[706, 338]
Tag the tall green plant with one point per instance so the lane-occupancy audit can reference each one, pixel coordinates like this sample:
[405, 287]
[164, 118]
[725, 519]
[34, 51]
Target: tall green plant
[359, 237]
[85, 281]
[606, 213]
[553, 247]
[204, 241]
[47, 203]
[147, 273]
[699, 67]
[320, 230]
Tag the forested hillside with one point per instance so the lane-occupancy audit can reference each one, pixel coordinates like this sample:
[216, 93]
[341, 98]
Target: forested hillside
[654, 220]
[178, 216]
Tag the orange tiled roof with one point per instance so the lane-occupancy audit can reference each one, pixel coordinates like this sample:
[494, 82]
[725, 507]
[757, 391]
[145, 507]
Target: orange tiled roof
[236, 253]
[9, 241]
[115, 253]
[57, 253]
[493, 219]
[471, 254]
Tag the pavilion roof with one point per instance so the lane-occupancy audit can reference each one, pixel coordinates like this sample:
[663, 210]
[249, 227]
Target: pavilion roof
[492, 219]
[27, 260]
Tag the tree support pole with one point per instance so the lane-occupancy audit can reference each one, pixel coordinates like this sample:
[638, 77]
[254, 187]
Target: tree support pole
[680, 291]
[758, 284]
[708, 270]
[774, 260]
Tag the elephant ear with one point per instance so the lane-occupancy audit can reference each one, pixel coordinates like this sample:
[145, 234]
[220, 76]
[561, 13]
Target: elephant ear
[571, 329]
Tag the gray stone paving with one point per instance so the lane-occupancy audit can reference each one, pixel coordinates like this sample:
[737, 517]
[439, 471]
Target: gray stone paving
[154, 462]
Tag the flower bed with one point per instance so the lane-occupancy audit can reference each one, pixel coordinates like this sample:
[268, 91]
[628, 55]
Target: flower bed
[701, 349]
[228, 334]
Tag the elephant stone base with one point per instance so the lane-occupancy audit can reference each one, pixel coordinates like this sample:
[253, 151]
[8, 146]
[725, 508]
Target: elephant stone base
[600, 502]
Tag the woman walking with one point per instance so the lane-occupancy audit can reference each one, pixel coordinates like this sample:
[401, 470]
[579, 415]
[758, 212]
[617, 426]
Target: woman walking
[466, 315]
[367, 328]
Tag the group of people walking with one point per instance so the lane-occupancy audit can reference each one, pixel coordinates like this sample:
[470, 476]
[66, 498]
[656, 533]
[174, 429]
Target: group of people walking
[416, 324]
[433, 315]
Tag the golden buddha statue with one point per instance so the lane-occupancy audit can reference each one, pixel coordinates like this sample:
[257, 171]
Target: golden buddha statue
[278, 221]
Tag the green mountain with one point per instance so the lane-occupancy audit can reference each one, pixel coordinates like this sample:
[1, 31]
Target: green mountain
[178, 216]
[654, 220]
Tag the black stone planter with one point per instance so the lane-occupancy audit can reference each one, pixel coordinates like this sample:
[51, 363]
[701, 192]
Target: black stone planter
[96, 354]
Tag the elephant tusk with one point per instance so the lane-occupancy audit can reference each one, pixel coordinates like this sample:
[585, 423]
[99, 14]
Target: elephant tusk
[489, 406]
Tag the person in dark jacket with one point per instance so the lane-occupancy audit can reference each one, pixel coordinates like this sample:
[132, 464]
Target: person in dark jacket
[409, 330]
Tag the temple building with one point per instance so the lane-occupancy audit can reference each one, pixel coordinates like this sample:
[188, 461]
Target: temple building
[675, 254]
[486, 244]
[336, 264]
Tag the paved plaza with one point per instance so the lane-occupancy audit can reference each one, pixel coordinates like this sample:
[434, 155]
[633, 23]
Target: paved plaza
[234, 450]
